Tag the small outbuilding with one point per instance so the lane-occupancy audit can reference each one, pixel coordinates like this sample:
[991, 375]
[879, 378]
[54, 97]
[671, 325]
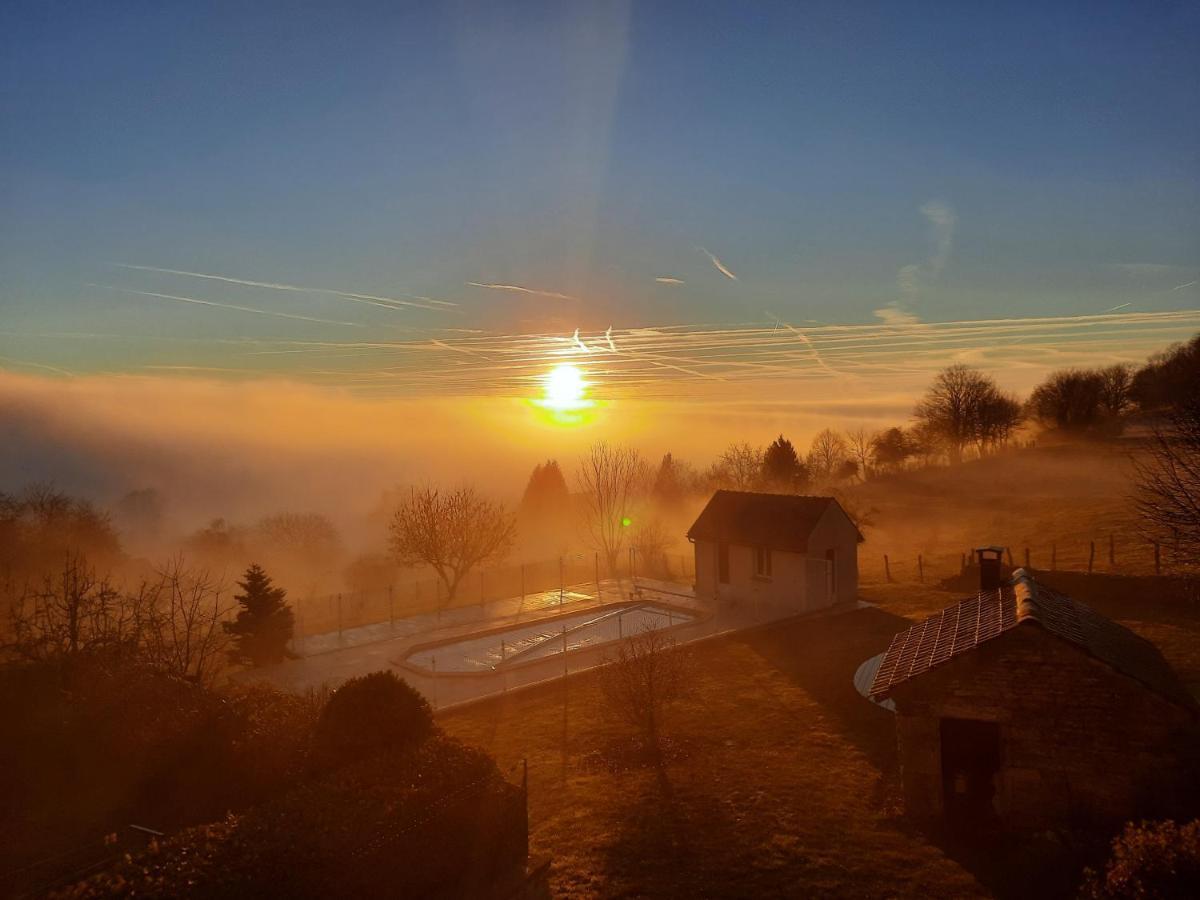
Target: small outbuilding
[1024, 706]
[791, 553]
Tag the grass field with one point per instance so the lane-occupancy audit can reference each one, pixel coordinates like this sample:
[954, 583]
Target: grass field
[781, 780]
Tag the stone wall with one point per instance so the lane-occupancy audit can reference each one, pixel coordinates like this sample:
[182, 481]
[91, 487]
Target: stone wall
[1079, 741]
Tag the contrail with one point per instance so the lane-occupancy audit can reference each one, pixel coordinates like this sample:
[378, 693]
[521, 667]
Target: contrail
[23, 362]
[518, 289]
[580, 345]
[1180, 287]
[1115, 308]
[721, 267]
[245, 309]
[608, 334]
[666, 279]
[370, 299]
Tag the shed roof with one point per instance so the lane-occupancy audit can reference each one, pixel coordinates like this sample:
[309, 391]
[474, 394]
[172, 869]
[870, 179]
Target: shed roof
[778, 521]
[960, 628]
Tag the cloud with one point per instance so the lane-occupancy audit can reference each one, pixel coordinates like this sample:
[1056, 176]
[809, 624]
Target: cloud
[908, 280]
[667, 279]
[720, 266]
[942, 221]
[895, 314]
[912, 277]
[231, 306]
[370, 299]
[518, 289]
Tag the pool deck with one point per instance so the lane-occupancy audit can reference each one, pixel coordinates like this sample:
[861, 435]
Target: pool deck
[330, 659]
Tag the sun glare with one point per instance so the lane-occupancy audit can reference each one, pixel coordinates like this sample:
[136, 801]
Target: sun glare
[564, 388]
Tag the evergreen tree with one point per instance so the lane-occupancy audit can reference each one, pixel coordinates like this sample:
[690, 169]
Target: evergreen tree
[782, 469]
[264, 621]
[544, 515]
[673, 482]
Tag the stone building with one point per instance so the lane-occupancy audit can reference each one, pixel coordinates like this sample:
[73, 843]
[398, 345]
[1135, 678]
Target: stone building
[789, 553]
[1024, 706]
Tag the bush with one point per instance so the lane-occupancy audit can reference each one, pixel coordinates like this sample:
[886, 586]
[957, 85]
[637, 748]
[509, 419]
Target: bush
[437, 821]
[1150, 860]
[369, 715]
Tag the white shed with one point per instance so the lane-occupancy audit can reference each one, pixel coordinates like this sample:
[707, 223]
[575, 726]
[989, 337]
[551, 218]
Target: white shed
[794, 553]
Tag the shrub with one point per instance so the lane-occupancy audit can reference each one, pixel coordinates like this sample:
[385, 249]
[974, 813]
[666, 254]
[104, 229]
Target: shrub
[369, 715]
[436, 821]
[1150, 860]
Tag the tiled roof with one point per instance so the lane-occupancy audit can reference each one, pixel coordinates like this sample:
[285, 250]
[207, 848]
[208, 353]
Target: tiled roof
[778, 521]
[964, 626]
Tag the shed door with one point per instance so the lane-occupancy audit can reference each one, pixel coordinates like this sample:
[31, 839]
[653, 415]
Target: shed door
[970, 761]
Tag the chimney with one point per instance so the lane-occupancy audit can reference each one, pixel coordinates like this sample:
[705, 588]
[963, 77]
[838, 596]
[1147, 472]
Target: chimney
[989, 567]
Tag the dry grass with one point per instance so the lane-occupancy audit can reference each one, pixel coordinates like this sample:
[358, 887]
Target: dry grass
[781, 783]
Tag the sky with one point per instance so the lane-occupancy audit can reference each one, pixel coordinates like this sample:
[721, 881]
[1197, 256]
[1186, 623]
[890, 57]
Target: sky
[735, 206]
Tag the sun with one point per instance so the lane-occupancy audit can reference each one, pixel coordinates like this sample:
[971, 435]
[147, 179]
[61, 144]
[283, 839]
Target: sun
[564, 388]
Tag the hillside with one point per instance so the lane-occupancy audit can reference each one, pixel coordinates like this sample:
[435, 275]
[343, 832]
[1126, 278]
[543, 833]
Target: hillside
[1052, 499]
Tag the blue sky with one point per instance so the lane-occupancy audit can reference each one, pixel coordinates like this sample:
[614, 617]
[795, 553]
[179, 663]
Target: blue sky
[848, 163]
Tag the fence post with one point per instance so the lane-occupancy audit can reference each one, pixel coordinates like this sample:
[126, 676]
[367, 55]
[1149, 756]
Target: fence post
[391, 608]
[433, 659]
[522, 584]
[1157, 560]
[1091, 555]
[560, 582]
[596, 562]
[1112, 552]
[887, 568]
[1008, 553]
[920, 568]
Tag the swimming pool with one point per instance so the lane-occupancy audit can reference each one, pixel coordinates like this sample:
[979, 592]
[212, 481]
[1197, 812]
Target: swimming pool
[540, 640]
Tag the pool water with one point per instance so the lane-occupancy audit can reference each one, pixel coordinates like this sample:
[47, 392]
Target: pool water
[539, 640]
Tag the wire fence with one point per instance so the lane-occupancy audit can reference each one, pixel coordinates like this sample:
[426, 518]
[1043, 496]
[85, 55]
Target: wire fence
[523, 585]
[1110, 553]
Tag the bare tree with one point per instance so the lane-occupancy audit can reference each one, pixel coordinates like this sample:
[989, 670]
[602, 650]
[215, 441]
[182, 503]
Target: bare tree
[307, 537]
[955, 408]
[827, 453]
[610, 481]
[648, 675]
[1116, 389]
[891, 449]
[1168, 485]
[739, 468]
[650, 543]
[451, 532]
[997, 418]
[860, 443]
[1068, 399]
[75, 612]
[184, 636]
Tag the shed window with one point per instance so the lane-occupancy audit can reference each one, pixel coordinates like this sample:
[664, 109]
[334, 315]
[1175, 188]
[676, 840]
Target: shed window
[723, 563]
[762, 562]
